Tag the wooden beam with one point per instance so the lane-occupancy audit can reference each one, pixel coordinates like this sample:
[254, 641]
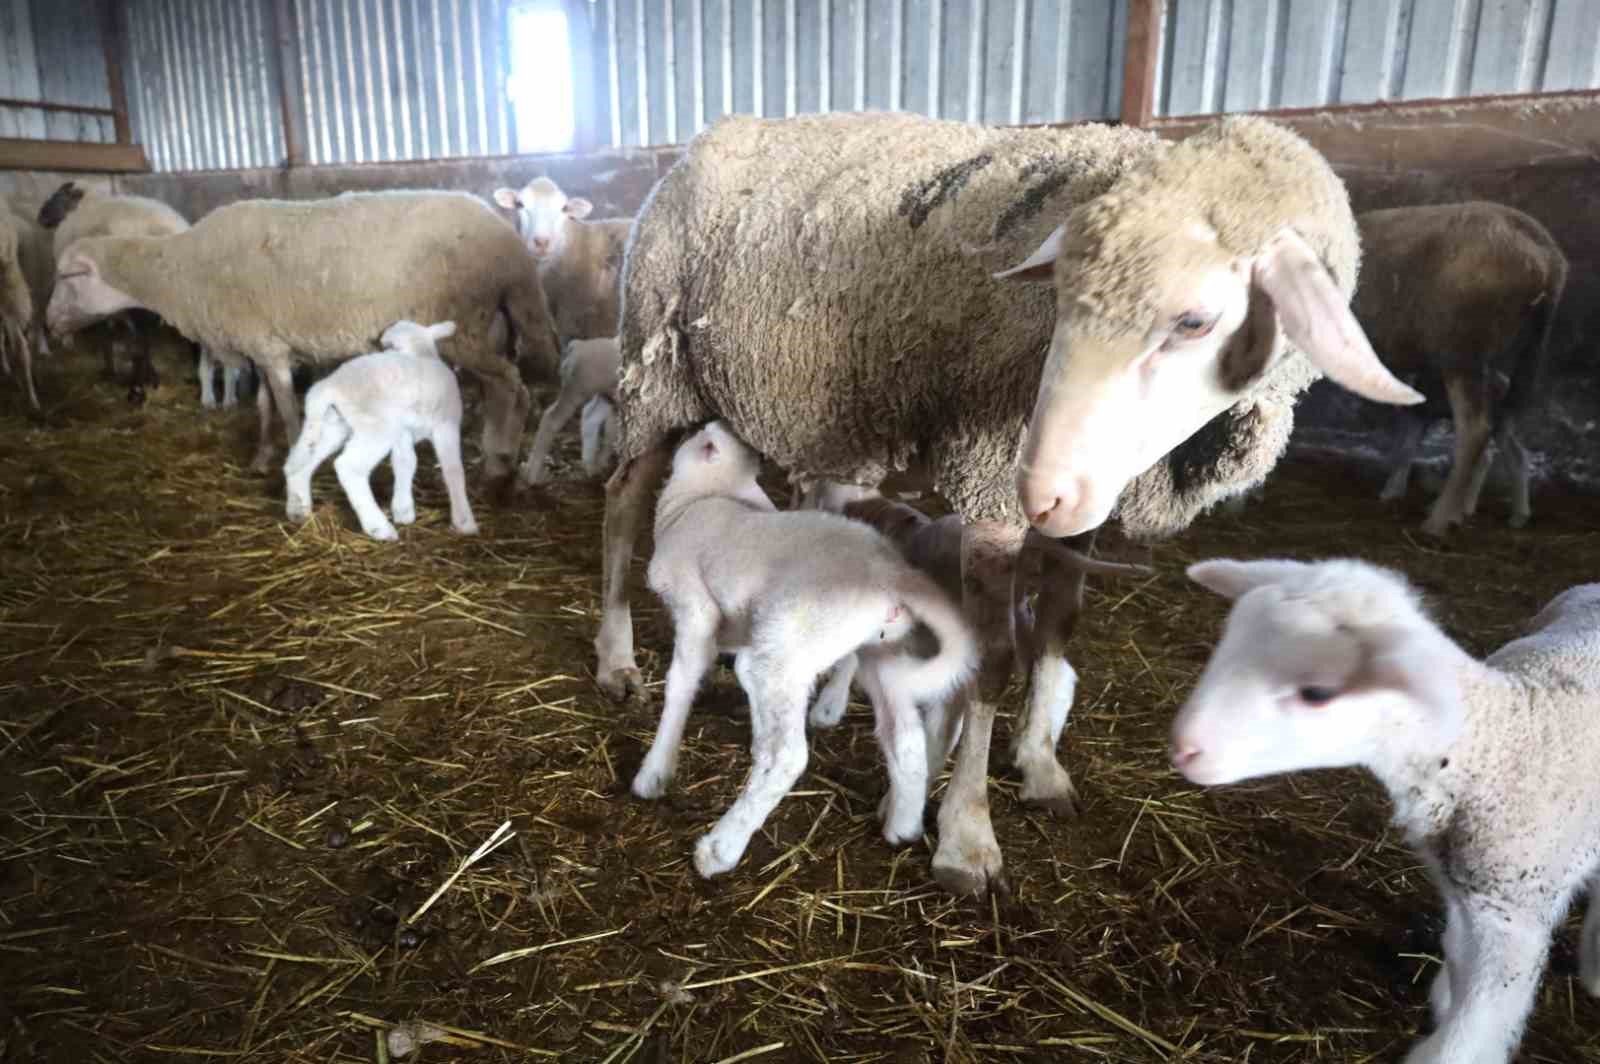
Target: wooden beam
[80, 156]
[112, 36]
[284, 58]
[1139, 62]
[64, 108]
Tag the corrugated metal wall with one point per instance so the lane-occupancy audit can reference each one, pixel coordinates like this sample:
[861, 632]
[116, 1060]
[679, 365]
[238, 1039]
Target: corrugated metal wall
[1235, 55]
[676, 65]
[51, 50]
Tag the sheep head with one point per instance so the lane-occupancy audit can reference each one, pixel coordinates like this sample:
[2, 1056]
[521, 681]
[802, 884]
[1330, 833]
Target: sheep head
[1176, 293]
[82, 295]
[417, 339]
[544, 214]
[1321, 665]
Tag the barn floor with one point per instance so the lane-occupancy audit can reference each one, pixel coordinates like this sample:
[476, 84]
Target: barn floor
[237, 756]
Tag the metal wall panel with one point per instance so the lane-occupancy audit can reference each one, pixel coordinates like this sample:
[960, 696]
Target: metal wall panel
[676, 65]
[51, 51]
[1238, 55]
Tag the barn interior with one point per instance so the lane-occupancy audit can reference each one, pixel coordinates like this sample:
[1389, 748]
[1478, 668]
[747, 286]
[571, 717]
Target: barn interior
[277, 792]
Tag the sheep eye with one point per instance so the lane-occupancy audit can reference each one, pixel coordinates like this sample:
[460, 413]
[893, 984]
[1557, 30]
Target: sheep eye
[1313, 695]
[1192, 326]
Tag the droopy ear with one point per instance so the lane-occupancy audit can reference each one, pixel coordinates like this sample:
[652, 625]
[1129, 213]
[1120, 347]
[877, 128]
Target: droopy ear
[1318, 320]
[578, 208]
[1041, 265]
[1253, 346]
[1419, 667]
[443, 330]
[507, 198]
[1230, 578]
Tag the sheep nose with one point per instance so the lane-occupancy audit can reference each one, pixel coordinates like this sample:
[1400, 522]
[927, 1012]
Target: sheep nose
[540, 245]
[1056, 505]
[1185, 754]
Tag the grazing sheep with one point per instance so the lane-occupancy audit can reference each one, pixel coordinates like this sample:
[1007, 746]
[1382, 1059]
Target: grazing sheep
[26, 272]
[791, 594]
[338, 272]
[842, 318]
[377, 405]
[73, 212]
[1445, 291]
[580, 263]
[1490, 765]
[588, 372]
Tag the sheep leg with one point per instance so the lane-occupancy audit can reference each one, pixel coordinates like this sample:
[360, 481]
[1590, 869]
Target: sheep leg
[905, 756]
[1502, 958]
[505, 410]
[1513, 459]
[778, 755]
[230, 385]
[316, 443]
[628, 494]
[1589, 944]
[447, 449]
[941, 727]
[403, 463]
[828, 708]
[1402, 456]
[968, 859]
[1469, 406]
[1054, 682]
[554, 419]
[26, 342]
[596, 433]
[206, 372]
[694, 648]
[263, 458]
[1443, 992]
[354, 466]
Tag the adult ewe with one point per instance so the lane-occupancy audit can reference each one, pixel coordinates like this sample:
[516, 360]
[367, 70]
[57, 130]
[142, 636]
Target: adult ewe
[73, 212]
[320, 281]
[823, 285]
[27, 269]
[1446, 292]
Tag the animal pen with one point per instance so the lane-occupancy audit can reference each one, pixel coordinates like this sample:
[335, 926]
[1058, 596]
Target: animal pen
[274, 791]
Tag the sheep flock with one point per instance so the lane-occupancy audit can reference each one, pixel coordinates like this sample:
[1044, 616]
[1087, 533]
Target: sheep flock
[968, 361]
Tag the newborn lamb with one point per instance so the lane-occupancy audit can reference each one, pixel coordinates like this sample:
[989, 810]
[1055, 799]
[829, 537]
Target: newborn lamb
[381, 403]
[1491, 765]
[790, 594]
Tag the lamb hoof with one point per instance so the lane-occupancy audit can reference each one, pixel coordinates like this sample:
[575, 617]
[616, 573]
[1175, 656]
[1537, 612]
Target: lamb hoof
[651, 782]
[298, 513]
[828, 714]
[1438, 529]
[208, 402]
[970, 880]
[384, 533]
[261, 464]
[403, 516]
[1520, 520]
[711, 858]
[466, 528]
[622, 684]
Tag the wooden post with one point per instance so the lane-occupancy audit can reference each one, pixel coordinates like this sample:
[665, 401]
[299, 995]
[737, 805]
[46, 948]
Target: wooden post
[1139, 63]
[284, 58]
[112, 36]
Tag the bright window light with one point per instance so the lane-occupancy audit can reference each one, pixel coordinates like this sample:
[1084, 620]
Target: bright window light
[540, 85]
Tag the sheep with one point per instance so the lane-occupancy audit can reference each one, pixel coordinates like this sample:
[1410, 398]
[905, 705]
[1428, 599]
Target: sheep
[338, 272]
[1445, 291]
[840, 319]
[1334, 663]
[73, 212]
[580, 262]
[588, 373]
[791, 594]
[26, 273]
[377, 405]
[232, 367]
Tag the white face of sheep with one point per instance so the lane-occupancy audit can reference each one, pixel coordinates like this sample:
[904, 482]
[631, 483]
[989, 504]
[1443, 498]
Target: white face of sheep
[1114, 399]
[409, 336]
[1290, 686]
[544, 215]
[81, 296]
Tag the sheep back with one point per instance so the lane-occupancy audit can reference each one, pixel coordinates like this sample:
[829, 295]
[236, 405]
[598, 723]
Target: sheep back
[100, 215]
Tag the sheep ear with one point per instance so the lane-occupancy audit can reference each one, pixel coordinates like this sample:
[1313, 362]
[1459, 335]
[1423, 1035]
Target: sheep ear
[578, 208]
[443, 330]
[1041, 265]
[1253, 347]
[507, 198]
[1419, 668]
[1318, 320]
[1230, 578]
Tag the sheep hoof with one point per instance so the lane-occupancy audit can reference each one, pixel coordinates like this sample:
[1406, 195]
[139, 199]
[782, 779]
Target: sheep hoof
[403, 516]
[650, 783]
[968, 859]
[207, 402]
[621, 684]
[466, 528]
[1520, 520]
[384, 533]
[1438, 529]
[711, 858]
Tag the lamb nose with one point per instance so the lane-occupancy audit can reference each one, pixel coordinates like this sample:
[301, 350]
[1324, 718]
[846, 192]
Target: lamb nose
[1185, 755]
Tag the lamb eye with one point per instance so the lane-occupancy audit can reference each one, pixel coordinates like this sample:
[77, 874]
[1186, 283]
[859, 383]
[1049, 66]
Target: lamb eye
[1192, 325]
[1313, 695]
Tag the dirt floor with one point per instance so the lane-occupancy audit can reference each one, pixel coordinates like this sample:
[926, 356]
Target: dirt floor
[237, 757]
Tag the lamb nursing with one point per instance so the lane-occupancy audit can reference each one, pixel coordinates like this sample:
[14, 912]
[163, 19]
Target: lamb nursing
[1491, 765]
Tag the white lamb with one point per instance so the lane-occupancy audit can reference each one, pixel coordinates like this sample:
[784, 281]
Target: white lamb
[588, 381]
[790, 594]
[1492, 765]
[380, 404]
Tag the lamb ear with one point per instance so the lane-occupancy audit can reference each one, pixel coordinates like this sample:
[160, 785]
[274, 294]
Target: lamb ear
[507, 198]
[1230, 578]
[1041, 265]
[578, 208]
[1419, 668]
[1318, 320]
[443, 330]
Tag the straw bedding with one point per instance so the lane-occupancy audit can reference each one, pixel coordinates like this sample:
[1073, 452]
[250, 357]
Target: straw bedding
[253, 778]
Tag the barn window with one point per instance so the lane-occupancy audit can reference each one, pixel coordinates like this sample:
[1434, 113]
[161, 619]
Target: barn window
[540, 85]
